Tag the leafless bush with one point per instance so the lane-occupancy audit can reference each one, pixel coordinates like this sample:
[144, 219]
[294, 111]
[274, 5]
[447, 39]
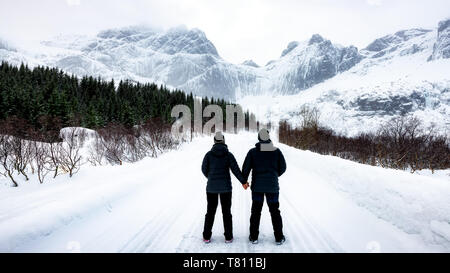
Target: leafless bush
[135, 146]
[156, 135]
[96, 151]
[16, 150]
[309, 116]
[41, 159]
[6, 157]
[401, 143]
[71, 158]
[55, 154]
[113, 143]
[22, 154]
[309, 124]
[118, 144]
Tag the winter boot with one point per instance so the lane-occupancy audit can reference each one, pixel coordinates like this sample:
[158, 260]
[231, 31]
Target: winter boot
[280, 241]
[253, 241]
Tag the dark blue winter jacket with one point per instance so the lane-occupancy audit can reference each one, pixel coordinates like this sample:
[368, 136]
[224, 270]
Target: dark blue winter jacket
[266, 167]
[216, 166]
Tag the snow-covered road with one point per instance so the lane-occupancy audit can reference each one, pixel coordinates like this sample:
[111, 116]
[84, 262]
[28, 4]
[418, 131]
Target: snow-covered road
[158, 205]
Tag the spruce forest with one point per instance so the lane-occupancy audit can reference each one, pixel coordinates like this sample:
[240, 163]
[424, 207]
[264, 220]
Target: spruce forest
[49, 99]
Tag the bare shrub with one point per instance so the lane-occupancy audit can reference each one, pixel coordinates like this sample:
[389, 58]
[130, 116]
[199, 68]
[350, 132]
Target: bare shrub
[113, 142]
[41, 156]
[135, 146]
[156, 136]
[6, 157]
[18, 147]
[96, 151]
[55, 154]
[71, 158]
[400, 143]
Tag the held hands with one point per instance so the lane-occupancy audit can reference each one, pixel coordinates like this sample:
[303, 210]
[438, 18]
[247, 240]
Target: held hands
[245, 186]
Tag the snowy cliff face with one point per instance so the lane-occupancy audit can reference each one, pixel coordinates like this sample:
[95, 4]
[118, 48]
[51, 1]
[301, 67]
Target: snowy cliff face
[441, 48]
[250, 63]
[391, 41]
[304, 64]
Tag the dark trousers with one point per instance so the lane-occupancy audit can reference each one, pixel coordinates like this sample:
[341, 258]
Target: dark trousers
[274, 204]
[225, 203]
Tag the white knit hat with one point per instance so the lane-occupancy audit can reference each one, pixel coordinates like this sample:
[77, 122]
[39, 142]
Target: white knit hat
[219, 138]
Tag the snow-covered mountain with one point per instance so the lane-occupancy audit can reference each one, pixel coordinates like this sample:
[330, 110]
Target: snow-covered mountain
[441, 48]
[405, 72]
[186, 59]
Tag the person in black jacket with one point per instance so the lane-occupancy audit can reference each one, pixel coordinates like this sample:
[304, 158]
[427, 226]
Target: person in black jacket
[267, 163]
[216, 167]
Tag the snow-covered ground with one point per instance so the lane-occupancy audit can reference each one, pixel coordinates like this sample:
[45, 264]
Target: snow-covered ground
[158, 205]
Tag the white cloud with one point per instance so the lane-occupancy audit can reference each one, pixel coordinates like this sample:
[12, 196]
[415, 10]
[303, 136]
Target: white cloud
[375, 2]
[73, 2]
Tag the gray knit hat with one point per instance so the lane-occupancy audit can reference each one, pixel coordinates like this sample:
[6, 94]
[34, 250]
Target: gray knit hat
[219, 137]
[263, 135]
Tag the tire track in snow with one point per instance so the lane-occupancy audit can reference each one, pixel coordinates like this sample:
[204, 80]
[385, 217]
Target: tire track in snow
[311, 237]
[164, 232]
[192, 239]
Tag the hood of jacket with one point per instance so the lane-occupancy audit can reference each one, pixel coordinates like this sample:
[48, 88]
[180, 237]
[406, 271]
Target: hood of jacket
[219, 149]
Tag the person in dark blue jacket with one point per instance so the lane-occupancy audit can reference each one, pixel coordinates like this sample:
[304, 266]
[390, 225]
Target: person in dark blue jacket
[267, 163]
[216, 166]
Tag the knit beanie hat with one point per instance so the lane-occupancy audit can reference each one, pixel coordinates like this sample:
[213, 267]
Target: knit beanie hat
[219, 137]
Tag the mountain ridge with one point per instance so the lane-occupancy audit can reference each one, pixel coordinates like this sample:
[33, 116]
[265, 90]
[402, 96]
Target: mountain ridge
[408, 64]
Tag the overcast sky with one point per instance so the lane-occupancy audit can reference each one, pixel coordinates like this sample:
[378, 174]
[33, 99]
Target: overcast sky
[240, 29]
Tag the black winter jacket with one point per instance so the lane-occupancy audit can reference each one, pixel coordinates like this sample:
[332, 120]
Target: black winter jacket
[216, 166]
[266, 167]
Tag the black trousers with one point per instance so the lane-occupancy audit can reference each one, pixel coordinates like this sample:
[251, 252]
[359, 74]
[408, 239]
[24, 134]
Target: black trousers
[274, 205]
[225, 203]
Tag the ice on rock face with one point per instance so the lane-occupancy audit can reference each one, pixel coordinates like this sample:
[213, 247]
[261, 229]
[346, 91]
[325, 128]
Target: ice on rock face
[394, 39]
[250, 63]
[349, 58]
[441, 49]
[315, 39]
[181, 40]
[289, 48]
[305, 64]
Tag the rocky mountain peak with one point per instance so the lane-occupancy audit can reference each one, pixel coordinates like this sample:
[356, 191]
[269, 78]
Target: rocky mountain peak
[394, 39]
[183, 40]
[441, 49]
[250, 63]
[315, 39]
[289, 48]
